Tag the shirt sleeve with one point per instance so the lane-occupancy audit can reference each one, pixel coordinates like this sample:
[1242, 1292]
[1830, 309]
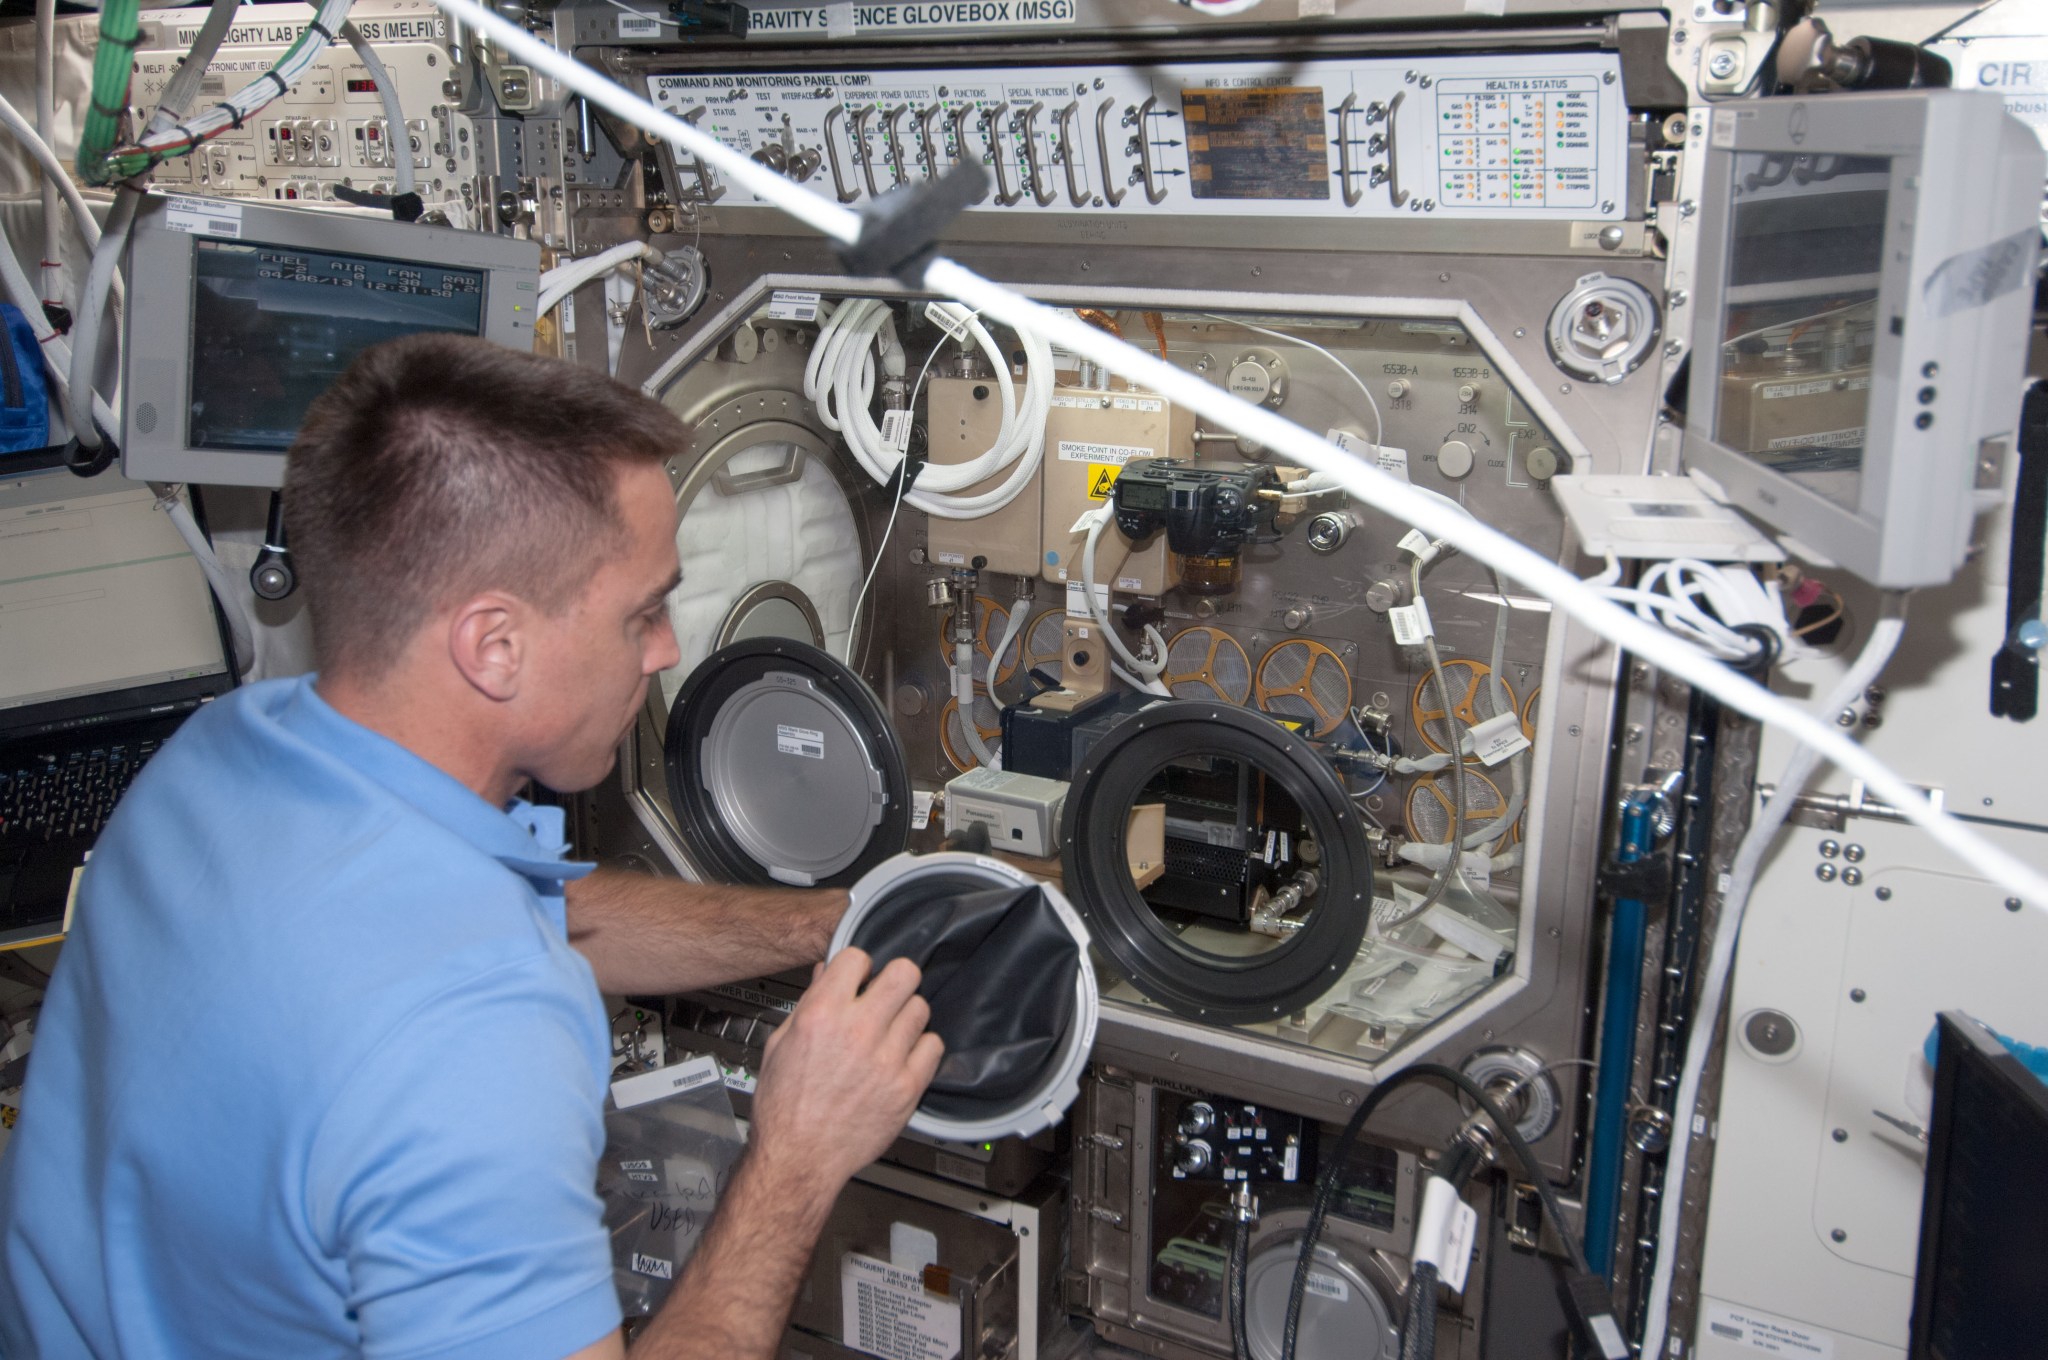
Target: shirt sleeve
[455, 1177]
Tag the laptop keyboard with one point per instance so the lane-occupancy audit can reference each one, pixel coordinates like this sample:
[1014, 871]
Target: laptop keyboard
[67, 796]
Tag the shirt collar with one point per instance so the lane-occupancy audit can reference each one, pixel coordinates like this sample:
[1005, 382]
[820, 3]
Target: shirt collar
[526, 839]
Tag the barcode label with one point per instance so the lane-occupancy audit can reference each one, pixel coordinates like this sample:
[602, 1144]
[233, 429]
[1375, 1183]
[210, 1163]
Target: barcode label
[789, 306]
[896, 430]
[1328, 1286]
[949, 317]
[203, 216]
[639, 26]
[1411, 624]
[799, 741]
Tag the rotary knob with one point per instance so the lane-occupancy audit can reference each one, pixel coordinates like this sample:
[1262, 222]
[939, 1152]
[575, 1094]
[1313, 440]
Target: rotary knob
[1454, 459]
[1197, 1119]
[1193, 1157]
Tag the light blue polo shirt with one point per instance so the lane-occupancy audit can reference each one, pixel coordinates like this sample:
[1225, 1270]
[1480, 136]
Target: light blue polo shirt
[318, 1074]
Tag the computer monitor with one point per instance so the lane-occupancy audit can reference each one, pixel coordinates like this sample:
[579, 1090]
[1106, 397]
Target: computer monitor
[1977, 1291]
[241, 313]
[1859, 325]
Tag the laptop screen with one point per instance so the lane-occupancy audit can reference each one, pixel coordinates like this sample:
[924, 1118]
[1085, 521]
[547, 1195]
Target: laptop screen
[98, 593]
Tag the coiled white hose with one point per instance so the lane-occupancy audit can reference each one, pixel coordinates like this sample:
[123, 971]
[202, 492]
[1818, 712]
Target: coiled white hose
[859, 338]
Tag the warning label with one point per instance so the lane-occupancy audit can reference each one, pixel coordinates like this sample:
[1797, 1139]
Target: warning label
[888, 1312]
[1102, 480]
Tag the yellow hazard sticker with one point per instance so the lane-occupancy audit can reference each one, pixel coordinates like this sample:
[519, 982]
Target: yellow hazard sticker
[1102, 479]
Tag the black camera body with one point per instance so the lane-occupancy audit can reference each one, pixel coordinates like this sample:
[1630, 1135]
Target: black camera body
[1206, 509]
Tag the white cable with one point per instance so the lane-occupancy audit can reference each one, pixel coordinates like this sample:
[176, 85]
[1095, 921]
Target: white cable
[253, 97]
[1219, 9]
[217, 576]
[1742, 872]
[191, 72]
[1495, 828]
[1098, 615]
[81, 370]
[46, 125]
[397, 136]
[1379, 428]
[895, 508]
[1011, 632]
[1143, 686]
[1703, 603]
[55, 179]
[853, 623]
[1645, 641]
[566, 278]
[56, 352]
[840, 377]
[85, 323]
[963, 695]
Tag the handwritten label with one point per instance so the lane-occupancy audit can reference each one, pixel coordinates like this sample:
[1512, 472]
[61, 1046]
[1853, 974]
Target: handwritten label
[644, 1264]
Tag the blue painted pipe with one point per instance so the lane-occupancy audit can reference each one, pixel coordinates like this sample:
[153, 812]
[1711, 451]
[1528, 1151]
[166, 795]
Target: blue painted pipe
[1622, 999]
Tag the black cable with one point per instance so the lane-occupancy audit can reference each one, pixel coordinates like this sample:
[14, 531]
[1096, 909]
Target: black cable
[1326, 1185]
[1418, 1315]
[1240, 1248]
[1418, 1325]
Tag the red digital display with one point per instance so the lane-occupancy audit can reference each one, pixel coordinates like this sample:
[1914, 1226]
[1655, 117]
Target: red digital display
[362, 86]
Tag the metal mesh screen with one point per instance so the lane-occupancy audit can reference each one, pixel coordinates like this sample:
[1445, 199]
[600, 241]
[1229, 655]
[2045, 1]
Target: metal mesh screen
[1305, 680]
[954, 742]
[1044, 641]
[1472, 700]
[1208, 663]
[1429, 805]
